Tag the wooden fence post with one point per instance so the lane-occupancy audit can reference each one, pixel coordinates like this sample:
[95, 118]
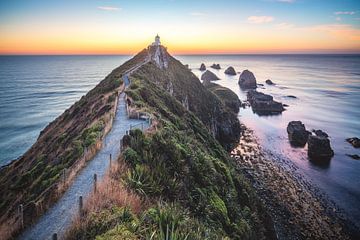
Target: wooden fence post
[54, 236]
[64, 175]
[95, 183]
[80, 206]
[21, 215]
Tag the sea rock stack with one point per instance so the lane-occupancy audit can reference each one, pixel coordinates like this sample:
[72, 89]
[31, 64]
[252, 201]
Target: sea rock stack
[247, 80]
[216, 66]
[319, 148]
[230, 71]
[269, 82]
[202, 67]
[209, 76]
[298, 135]
[264, 104]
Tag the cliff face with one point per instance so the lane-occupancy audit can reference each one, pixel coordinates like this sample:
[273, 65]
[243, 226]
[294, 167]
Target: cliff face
[182, 84]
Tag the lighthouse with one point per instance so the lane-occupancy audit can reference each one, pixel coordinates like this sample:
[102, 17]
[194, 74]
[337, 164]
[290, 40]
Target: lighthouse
[157, 41]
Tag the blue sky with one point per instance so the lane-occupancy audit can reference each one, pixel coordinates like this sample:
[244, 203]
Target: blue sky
[212, 21]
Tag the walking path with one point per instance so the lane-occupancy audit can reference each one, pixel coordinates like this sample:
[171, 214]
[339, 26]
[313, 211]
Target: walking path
[58, 218]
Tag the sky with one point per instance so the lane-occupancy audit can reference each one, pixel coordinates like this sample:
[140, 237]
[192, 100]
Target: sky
[185, 26]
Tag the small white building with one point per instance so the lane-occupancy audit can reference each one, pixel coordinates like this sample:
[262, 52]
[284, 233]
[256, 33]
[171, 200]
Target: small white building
[157, 41]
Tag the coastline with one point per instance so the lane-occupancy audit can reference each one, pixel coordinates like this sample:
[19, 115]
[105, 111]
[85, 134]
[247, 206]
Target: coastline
[299, 210]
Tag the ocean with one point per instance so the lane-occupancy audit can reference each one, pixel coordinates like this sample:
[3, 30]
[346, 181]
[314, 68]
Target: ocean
[36, 89]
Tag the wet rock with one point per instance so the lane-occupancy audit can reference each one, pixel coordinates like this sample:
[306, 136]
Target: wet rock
[209, 76]
[202, 67]
[291, 96]
[298, 135]
[285, 105]
[354, 141]
[247, 80]
[320, 133]
[230, 71]
[215, 66]
[319, 148]
[269, 82]
[260, 84]
[354, 156]
[264, 104]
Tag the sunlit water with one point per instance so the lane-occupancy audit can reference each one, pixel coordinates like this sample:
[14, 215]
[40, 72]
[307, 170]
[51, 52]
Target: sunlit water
[35, 90]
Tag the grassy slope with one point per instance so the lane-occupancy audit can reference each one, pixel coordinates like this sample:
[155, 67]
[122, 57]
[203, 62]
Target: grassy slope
[227, 97]
[181, 169]
[59, 145]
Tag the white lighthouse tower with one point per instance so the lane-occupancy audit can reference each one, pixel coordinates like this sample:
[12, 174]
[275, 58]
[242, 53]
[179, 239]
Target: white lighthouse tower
[157, 41]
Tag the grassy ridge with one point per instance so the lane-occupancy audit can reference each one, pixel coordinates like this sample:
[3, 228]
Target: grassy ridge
[188, 184]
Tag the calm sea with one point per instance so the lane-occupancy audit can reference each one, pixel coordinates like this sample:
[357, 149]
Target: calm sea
[36, 89]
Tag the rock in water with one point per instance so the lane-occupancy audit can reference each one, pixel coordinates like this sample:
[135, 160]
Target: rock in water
[209, 76]
[354, 141]
[202, 67]
[298, 135]
[247, 79]
[319, 148]
[230, 71]
[269, 82]
[320, 133]
[263, 104]
[216, 66]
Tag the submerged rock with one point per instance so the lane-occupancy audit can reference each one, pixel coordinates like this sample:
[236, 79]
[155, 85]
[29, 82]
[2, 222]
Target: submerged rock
[202, 67]
[216, 66]
[230, 71]
[291, 96]
[209, 76]
[264, 104]
[354, 141]
[319, 148]
[298, 135]
[269, 82]
[354, 156]
[247, 79]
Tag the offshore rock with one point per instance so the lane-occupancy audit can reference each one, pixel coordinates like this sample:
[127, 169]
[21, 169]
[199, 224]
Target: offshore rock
[263, 104]
[354, 141]
[298, 135]
[230, 71]
[247, 80]
[216, 66]
[202, 67]
[319, 148]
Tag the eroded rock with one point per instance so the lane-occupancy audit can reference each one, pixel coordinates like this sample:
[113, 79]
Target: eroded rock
[230, 71]
[202, 67]
[319, 148]
[216, 66]
[247, 79]
[264, 104]
[354, 141]
[298, 135]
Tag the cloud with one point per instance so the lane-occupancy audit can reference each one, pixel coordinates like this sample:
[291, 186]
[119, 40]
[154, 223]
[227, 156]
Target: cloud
[109, 8]
[343, 31]
[338, 18]
[344, 13]
[260, 19]
[198, 14]
[285, 25]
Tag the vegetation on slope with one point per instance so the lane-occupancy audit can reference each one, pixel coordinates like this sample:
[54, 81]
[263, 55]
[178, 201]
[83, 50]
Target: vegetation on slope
[182, 173]
[30, 179]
